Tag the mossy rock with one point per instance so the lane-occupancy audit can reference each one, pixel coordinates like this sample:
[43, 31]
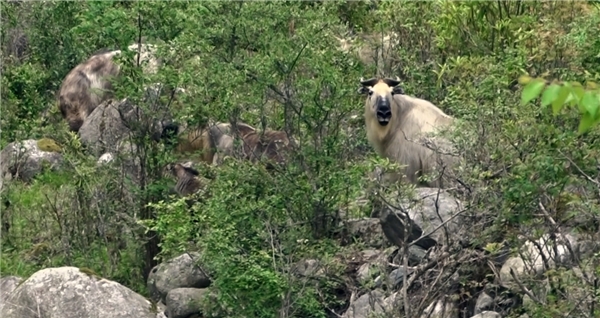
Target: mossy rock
[89, 272]
[48, 145]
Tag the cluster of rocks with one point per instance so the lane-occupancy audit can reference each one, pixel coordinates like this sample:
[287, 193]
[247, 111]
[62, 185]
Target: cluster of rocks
[177, 289]
[180, 285]
[106, 133]
[435, 220]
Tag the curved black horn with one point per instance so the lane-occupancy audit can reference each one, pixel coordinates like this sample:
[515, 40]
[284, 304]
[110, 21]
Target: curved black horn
[392, 82]
[369, 82]
[191, 170]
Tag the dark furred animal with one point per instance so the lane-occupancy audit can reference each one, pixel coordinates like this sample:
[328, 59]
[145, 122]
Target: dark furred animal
[187, 180]
[85, 87]
[397, 126]
[89, 83]
[218, 140]
[273, 145]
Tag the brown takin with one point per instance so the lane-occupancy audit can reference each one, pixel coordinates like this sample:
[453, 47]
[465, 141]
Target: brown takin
[396, 126]
[188, 181]
[89, 84]
[219, 140]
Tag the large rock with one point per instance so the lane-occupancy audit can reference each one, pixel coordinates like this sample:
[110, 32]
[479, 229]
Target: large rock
[67, 292]
[432, 213]
[442, 308]
[399, 229]
[488, 314]
[7, 285]
[366, 229]
[484, 302]
[107, 125]
[371, 303]
[433, 208]
[183, 302]
[113, 121]
[531, 261]
[24, 160]
[177, 272]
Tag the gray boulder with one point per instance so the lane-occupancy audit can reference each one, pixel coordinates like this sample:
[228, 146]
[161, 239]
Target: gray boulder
[67, 292]
[183, 302]
[178, 272]
[24, 160]
[7, 285]
[113, 122]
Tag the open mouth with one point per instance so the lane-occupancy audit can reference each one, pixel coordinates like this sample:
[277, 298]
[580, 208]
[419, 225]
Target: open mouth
[383, 121]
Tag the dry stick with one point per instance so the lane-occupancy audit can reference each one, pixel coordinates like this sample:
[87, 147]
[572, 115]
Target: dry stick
[454, 263]
[432, 231]
[524, 289]
[420, 270]
[566, 242]
[494, 269]
[541, 251]
[594, 181]
[437, 212]
[424, 298]
[405, 263]
[272, 245]
[568, 314]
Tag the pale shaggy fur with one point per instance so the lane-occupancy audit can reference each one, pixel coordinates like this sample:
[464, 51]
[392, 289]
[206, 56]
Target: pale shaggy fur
[402, 139]
[89, 84]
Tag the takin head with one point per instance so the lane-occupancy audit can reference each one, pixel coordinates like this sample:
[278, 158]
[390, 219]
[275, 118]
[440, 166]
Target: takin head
[380, 94]
[187, 179]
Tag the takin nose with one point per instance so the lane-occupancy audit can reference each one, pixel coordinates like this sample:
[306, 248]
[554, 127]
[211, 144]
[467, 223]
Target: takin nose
[384, 112]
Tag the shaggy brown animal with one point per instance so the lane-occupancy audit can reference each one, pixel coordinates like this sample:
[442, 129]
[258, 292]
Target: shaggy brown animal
[89, 83]
[187, 180]
[85, 87]
[397, 125]
[218, 141]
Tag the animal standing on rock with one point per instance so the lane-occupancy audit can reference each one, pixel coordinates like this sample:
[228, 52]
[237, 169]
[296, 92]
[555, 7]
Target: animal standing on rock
[89, 84]
[396, 126]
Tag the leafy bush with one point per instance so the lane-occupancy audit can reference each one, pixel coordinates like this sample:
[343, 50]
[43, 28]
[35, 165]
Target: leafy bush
[277, 65]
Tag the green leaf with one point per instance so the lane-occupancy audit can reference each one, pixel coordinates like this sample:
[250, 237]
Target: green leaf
[524, 79]
[550, 94]
[558, 103]
[532, 90]
[586, 122]
[577, 92]
[590, 103]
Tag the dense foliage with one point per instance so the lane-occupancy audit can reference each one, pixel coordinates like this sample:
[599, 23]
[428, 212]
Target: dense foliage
[279, 65]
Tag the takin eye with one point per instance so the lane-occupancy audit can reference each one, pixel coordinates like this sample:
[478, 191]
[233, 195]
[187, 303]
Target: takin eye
[370, 92]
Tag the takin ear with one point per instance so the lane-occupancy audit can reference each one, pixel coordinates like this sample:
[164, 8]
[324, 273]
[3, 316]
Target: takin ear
[363, 90]
[191, 170]
[365, 84]
[397, 90]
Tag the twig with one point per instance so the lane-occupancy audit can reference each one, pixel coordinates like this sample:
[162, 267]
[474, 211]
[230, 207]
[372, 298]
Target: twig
[420, 270]
[524, 289]
[565, 240]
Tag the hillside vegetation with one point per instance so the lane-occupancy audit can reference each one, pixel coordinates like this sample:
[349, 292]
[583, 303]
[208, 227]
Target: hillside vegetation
[528, 172]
